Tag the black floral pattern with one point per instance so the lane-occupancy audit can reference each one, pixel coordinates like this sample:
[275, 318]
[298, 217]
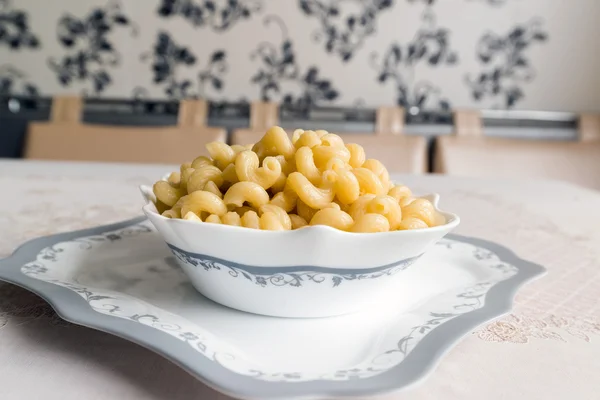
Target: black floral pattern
[281, 79]
[344, 33]
[506, 66]
[219, 15]
[167, 59]
[15, 82]
[91, 53]
[430, 47]
[14, 28]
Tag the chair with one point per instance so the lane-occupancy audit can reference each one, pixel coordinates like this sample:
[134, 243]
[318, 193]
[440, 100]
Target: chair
[400, 153]
[470, 153]
[65, 137]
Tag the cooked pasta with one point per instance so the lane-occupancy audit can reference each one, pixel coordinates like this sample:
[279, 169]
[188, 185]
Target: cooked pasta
[305, 164]
[333, 217]
[232, 218]
[280, 184]
[370, 223]
[247, 169]
[246, 192]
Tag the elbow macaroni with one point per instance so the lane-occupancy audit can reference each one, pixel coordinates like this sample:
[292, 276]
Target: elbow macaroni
[281, 184]
[247, 169]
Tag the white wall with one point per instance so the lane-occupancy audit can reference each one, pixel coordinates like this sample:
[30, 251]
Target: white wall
[560, 41]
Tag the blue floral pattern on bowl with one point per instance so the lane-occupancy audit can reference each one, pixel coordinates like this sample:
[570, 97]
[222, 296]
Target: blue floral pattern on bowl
[292, 276]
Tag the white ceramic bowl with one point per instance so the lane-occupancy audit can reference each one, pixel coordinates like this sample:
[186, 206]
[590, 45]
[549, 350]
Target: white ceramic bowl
[316, 271]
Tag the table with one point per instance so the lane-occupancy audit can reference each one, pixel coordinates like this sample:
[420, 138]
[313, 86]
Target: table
[548, 348]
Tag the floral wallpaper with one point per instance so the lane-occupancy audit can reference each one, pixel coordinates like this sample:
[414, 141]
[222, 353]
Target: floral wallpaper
[428, 54]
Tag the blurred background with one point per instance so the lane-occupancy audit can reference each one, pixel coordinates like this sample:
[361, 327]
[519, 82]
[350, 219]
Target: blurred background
[512, 69]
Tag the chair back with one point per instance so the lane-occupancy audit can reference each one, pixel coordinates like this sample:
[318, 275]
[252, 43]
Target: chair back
[469, 153]
[65, 137]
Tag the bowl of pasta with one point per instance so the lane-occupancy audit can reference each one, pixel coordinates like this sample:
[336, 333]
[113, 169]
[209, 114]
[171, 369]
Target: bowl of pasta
[305, 226]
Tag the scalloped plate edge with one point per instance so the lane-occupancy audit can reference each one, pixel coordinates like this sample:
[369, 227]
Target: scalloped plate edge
[412, 370]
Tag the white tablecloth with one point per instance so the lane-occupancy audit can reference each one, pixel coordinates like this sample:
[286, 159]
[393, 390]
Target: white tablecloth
[548, 348]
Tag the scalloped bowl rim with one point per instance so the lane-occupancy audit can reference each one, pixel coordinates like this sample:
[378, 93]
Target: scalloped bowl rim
[452, 220]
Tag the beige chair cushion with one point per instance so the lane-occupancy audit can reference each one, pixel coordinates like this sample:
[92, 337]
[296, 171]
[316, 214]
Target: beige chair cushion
[576, 162]
[67, 141]
[399, 153]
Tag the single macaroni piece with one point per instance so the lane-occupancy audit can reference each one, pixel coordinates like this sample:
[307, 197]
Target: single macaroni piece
[369, 182]
[250, 219]
[306, 139]
[296, 135]
[191, 216]
[246, 192]
[201, 201]
[399, 192]
[370, 223]
[310, 194]
[171, 214]
[281, 214]
[247, 169]
[222, 153]
[305, 164]
[184, 166]
[297, 221]
[380, 170]
[411, 223]
[322, 154]
[420, 209]
[279, 184]
[201, 161]
[333, 140]
[336, 164]
[357, 155]
[347, 187]
[406, 201]
[270, 222]
[276, 142]
[334, 218]
[166, 193]
[388, 207]
[201, 176]
[231, 218]
[213, 219]
[174, 179]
